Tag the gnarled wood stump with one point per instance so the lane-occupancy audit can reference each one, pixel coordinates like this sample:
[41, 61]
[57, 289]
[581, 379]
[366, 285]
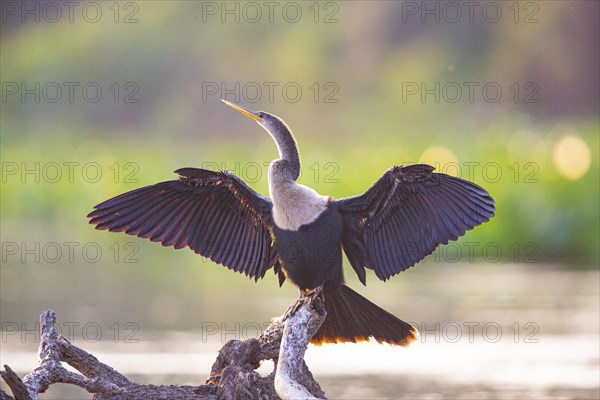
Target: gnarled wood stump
[233, 374]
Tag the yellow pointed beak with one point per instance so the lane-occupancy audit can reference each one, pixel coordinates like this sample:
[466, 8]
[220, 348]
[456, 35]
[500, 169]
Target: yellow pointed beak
[244, 111]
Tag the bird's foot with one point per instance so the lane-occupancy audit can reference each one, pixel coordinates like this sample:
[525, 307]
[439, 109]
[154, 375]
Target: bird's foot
[311, 294]
[305, 295]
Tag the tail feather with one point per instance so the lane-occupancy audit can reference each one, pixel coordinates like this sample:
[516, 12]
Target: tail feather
[352, 318]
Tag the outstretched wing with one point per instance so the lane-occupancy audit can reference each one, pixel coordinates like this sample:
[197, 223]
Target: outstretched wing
[214, 213]
[406, 215]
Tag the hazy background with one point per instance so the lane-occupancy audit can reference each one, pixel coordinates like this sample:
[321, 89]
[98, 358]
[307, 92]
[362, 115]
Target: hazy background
[99, 98]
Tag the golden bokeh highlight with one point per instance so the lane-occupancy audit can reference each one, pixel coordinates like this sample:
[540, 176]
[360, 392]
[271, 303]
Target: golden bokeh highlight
[572, 157]
[442, 158]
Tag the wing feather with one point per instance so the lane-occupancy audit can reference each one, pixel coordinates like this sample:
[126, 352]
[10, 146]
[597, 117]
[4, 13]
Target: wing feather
[213, 213]
[406, 215]
[170, 224]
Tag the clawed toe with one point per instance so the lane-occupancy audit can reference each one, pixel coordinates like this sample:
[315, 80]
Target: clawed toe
[305, 295]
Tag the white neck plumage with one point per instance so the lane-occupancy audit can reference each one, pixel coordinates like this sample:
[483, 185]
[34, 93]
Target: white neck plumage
[295, 205]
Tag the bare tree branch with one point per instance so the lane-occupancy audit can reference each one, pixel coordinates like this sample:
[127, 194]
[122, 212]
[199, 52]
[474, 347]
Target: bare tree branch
[291, 366]
[233, 374]
[15, 383]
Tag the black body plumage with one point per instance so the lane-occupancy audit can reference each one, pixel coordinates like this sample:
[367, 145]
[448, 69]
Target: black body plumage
[312, 255]
[400, 220]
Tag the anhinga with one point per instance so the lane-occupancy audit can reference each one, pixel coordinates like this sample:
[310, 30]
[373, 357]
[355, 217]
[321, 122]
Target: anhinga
[400, 220]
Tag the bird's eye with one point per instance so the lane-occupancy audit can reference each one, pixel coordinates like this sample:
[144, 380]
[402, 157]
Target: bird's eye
[261, 114]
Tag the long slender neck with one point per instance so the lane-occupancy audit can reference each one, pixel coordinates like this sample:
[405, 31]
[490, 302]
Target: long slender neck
[294, 205]
[289, 158]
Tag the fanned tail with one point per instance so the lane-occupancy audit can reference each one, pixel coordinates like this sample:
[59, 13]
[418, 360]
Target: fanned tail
[352, 318]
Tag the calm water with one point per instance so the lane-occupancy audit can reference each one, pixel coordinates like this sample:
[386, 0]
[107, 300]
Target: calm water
[508, 334]
[554, 367]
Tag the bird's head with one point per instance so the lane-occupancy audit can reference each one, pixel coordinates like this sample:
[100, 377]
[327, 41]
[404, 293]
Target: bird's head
[271, 123]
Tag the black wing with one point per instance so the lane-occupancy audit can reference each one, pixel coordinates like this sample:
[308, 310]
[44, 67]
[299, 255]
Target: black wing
[406, 215]
[214, 213]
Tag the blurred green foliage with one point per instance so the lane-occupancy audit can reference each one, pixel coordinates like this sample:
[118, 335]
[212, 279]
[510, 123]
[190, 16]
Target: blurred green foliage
[174, 50]
[365, 60]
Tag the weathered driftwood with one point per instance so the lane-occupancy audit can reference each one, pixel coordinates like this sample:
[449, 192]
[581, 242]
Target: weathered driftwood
[233, 374]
